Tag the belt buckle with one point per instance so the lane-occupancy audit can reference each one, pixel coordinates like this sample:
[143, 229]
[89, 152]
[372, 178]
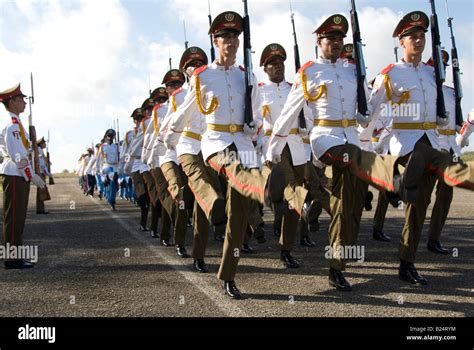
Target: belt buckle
[425, 125]
[345, 123]
[233, 128]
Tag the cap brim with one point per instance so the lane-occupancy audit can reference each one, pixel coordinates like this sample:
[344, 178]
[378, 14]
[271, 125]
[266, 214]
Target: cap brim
[412, 30]
[227, 31]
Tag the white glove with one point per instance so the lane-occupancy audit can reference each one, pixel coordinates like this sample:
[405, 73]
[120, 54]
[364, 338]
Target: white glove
[443, 121]
[250, 129]
[362, 120]
[462, 141]
[303, 132]
[38, 181]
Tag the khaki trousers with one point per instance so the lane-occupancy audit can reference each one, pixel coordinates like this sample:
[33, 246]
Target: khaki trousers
[16, 191]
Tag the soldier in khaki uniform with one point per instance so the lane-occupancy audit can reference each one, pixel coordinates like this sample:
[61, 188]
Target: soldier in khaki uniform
[151, 157]
[209, 202]
[329, 87]
[273, 94]
[217, 91]
[414, 139]
[130, 164]
[175, 178]
[17, 174]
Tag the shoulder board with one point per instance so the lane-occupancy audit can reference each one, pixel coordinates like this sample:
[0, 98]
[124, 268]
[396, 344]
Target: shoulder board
[157, 107]
[261, 84]
[15, 121]
[175, 92]
[306, 65]
[387, 69]
[200, 70]
[242, 68]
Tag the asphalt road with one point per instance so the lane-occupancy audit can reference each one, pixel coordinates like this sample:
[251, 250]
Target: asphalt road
[94, 262]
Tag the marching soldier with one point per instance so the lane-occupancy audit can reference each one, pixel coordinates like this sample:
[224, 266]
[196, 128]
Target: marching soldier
[132, 165]
[17, 174]
[329, 87]
[209, 203]
[414, 139]
[153, 198]
[150, 156]
[444, 193]
[273, 93]
[175, 179]
[217, 91]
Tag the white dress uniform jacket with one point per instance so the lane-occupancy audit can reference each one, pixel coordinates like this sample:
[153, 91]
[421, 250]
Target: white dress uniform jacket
[273, 97]
[419, 85]
[337, 85]
[227, 89]
[14, 149]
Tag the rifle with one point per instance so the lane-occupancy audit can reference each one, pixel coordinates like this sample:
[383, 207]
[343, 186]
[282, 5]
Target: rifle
[169, 57]
[43, 193]
[359, 62]
[186, 42]
[248, 114]
[302, 121]
[213, 52]
[48, 162]
[438, 63]
[456, 71]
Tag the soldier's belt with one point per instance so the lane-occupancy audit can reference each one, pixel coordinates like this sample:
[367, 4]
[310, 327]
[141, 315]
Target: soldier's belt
[415, 126]
[110, 163]
[375, 139]
[447, 132]
[306, 140]
[294, 131]
[343, 123]
[192, 135]
[226, 127]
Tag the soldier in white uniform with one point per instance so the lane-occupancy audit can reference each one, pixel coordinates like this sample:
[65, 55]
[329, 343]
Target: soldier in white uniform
[17, 174]
[273, 94]
[406, 91]
[444, 193]
[175, 178]
[131, 164]
[209, 203]
[218, 92]
[329, 87]
[150, 156]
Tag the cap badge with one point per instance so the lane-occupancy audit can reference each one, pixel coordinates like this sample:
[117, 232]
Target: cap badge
[229, 17]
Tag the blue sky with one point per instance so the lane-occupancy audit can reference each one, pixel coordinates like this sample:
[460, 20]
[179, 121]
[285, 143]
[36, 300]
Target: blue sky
[94, 61]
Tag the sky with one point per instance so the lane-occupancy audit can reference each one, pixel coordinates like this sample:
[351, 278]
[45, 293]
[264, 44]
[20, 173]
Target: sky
[94, 61]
